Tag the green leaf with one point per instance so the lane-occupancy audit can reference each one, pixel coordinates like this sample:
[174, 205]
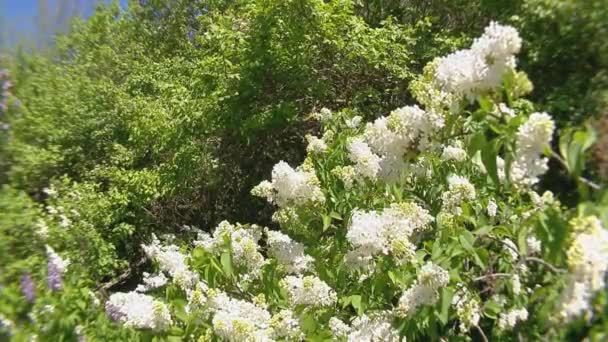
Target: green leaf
[226, 260]
[355, 300]
[446, 301]
[488, 156]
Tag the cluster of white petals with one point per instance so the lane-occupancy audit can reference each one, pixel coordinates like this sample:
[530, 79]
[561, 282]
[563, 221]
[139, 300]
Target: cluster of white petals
[460, 190]
[455, 153]
[285, 326]
[468, 308]
[375, 327]
[367, 163]
[533, 136]
[240, 240]
[138, 311]
[386, 140]
[509, 319]
[290, 187]
[323, 115]
[424, 291]
[480, 68]
[172, 261]
[492, 208]
[288, 253]
[588, 263]
[238, 320]
[308, 290]
[386, 232]
[315, 144]
[151, 282]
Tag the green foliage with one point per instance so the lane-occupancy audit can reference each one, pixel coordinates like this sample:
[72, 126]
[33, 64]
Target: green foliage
[163, 117]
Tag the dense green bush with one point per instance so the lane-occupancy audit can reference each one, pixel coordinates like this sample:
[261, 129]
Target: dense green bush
[162, 118]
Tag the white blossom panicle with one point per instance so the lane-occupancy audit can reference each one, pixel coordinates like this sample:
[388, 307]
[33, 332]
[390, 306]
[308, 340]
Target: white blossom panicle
[238, 320]
[387, 232]
[587, 259]
[455, 153]
[139, 311]
[511, 249]
[346, 174]
[516, 284]
[315, 144]
[424, 291]
[534, 245]
[576, 301]
[197, 297]
[323, 115]
[492, 208]
[285, 326]
[151, 282]
[171, 261]
[480, 68]
[406, 128]
[353, 122]
[468, 308]
[367, 163]
[241, 241]
[508, 320]
[533, 136]
[460, 190]
[505, 110]
[308, 290]
[373, 328]
[290, 187]
[339, 329]
[288, 253]
[42, 229]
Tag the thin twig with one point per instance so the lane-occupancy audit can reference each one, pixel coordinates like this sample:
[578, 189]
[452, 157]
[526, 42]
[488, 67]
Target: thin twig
[483, 335]
[589, 183]
[543, 262]
[493, 275]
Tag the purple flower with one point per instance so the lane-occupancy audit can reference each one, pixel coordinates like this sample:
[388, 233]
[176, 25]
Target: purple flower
[56, 267]
[27, 288]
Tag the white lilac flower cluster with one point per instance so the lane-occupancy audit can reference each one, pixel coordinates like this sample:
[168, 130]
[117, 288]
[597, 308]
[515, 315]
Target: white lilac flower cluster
[367, 163]
[285, 326]
[137, 310]
[468, 308]
[424, 291]
[152, 281]
[380, 151]
[308, 290]
[290, 187]
[375, 327]
[533, 137]
[509, 319]
[454, 152]
[387, 232]
[588, 263]
[323, 115]
[459, 190]
[240, 240]
[480, 68]
[288, 253]
[238, 320]
[315, 144]
[172, 261]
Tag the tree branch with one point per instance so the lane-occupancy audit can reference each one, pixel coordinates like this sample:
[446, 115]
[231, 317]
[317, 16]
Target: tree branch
[548, 265]
[586, 181]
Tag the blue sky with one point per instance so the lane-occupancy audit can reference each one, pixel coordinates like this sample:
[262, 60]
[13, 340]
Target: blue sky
[19, 16]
